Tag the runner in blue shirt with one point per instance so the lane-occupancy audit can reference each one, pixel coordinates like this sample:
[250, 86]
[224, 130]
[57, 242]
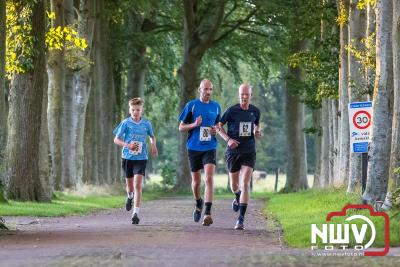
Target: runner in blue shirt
[131, 134]
[199, 118]
[243, 121]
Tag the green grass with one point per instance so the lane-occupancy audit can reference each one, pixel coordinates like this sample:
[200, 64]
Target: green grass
[297, 211]
[65, 204]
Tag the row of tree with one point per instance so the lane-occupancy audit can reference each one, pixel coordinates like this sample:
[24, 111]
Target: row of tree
[68, 83]
[368, 32]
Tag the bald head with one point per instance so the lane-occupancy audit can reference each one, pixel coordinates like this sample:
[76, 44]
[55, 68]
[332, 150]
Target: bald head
[205, 90]
[245, 93]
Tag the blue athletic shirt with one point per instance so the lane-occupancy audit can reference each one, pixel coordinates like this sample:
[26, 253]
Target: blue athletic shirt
[130, 131]
[199, 138]
[241, 127]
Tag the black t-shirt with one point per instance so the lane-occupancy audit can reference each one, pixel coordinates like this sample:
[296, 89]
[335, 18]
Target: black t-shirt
[241, 127]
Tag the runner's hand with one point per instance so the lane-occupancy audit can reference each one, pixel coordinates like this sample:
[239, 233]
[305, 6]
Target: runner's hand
[198, 121]
[232, 143]
[133, 146]
[257, 134]
[213, 130]
[153, 150]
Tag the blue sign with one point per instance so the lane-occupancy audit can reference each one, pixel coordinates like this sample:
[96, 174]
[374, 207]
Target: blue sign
[367, 104]
[360, 147]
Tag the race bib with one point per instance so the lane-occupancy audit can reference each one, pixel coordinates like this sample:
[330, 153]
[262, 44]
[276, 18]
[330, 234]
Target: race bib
[138, 149]
[245, 129]
[205, 134]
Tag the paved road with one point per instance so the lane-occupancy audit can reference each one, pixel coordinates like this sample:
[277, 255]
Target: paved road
[166, 236]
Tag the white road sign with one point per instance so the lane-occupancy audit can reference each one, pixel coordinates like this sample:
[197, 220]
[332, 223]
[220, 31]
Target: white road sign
[360, 120]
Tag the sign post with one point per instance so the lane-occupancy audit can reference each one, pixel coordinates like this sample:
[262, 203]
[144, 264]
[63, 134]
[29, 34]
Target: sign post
[360, 120]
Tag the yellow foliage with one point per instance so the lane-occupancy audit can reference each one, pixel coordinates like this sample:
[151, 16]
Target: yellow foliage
[362, 4]
[51, 15]
[342, 16]
[365, 54]
[59, 37]
[19, 39]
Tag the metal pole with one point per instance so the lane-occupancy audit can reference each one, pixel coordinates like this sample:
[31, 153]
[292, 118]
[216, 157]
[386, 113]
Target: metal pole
[364, 168]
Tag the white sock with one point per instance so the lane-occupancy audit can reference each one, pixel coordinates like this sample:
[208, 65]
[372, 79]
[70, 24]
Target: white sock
[130, 195]
[136, 210]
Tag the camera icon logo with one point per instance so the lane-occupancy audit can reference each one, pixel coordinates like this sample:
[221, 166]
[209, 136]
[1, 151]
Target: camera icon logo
[337, 235]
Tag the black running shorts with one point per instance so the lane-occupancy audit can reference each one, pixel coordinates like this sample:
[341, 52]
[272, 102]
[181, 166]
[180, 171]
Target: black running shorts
[236, 160]
[132, 167]
[198, 159]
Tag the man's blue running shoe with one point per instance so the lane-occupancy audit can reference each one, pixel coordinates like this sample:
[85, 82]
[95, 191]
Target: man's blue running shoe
[197, 212]
[235, 205]
[128, 204]
[240, 223]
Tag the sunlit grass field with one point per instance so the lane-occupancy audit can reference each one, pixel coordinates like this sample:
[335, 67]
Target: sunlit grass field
[261, 185]
[72, 203]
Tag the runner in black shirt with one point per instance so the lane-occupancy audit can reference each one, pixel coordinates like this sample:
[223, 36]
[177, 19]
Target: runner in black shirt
[243, 121]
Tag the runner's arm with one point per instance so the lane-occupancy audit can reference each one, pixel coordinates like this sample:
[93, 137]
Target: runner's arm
[222, 132]
[183, 127]
[257, 131]
[153, 146]
[232, 143]
[119, 142]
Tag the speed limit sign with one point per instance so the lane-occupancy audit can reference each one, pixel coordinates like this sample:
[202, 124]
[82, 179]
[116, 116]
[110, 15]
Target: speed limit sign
[360, 121]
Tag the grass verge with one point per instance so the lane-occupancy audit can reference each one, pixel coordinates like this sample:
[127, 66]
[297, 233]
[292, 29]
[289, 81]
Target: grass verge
[297, 211]
[68, 204]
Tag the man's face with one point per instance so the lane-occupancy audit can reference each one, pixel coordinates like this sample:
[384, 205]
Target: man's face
[245, 95]
[206, 90]
[136, 111]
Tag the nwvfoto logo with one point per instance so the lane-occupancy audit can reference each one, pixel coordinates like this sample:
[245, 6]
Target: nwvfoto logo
[337, 235]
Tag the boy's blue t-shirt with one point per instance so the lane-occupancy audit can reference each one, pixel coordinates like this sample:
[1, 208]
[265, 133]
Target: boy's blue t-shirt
[199, 138]
[130, 131]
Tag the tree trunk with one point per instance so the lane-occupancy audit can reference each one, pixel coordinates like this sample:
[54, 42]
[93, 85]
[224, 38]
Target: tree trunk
[25, 119]
[344, 132]
[370, 72]
[81, 90]
[116, 169]
[296, 173]
[357, 19]
[394, 176]
[44, 150]
[333, 140]
[99, 140]
[3, 107]
[325, 143]
[91, 163]
[68, 167]
[136, 73]
[379, 156]
[318, 140]
[56, 83]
